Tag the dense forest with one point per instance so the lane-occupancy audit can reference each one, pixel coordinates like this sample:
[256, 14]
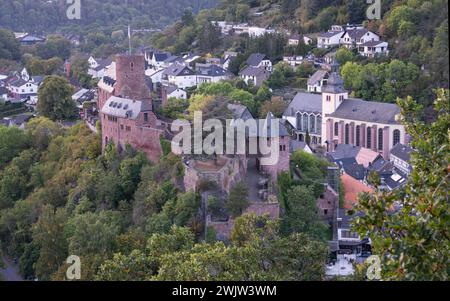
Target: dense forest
[58, 192]
[48, 16]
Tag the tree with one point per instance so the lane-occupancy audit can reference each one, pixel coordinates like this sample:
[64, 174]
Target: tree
[55, 99]
[48, 235]
[344, 55]
[302, 214]
[413, 241]
[9, 46]
[237, 201]
[12, 142]
[276, 106]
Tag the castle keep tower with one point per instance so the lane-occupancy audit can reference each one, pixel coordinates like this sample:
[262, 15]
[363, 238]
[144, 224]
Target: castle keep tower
[130, 77]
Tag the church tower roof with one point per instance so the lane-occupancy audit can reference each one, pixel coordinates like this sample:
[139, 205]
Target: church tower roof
[335, 83]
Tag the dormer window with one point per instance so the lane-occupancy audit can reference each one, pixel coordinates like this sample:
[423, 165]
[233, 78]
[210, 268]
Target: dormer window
[145, 117]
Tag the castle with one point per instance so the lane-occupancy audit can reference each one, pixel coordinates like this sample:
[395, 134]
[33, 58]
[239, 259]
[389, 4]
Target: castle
[126, 108]
[128, 118]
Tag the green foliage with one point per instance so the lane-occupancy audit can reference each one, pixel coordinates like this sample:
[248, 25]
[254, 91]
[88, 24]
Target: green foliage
[237, 200]
[413, 242]
[381, 82]
[12, 142]
[344, 55]
[40, 15]
[9, 46]
[302, 214]
[55, 99]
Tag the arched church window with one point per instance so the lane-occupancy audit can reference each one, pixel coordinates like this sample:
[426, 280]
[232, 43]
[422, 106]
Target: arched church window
[336, 129]
[369, 137]
[312, 124]
[396, 137]
[299, 121]
[347, 134]
[380, 139]
[358, 135]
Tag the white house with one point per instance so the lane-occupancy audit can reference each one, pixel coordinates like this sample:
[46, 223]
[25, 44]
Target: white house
[400, 156]
[211, 74]
[255, 32]
[21, 89]
[259, 60]
[98, 67]
[254, 75]
[156, 75]
[293, 61]
[373, 48]
[357, 36]
[174, 91]
[179, 75]
[228, 57]
[317, 81]
[329, 39]
[295, 39]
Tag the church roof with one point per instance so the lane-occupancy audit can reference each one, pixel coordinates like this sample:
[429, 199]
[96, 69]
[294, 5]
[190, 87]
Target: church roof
[369, 111]
[304, 102]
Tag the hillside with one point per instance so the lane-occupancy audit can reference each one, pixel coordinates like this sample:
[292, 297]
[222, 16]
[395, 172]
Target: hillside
[47, 16]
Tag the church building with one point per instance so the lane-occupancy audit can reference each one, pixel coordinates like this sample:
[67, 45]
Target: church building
[333, 118]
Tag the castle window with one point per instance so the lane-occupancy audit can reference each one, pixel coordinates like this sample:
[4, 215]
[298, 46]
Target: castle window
[347, 134]
[380, 139]
[358, 135]
[121, 127]
[131, 66]
[336, 129]
[369, 137]
[396, 137]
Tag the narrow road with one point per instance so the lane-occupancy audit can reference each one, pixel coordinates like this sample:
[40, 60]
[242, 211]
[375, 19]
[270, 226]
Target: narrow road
[11, 272]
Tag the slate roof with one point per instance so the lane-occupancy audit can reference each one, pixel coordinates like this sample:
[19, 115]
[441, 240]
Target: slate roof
[17, 82]
[161, 56]
[357, 33]
[125, 108]
[304, 102]
[268, 124]
[369, 111]
[398, 179]
[178, 70]
[345, 151]
[335, 84]
[330, 34]
[317, 76]
[253, 71]
[372, 43]
[256, 58]
[213, 70]
[238, 110]
[402, 152]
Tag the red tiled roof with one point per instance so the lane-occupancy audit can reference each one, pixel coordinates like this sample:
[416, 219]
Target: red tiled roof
[352, 188]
